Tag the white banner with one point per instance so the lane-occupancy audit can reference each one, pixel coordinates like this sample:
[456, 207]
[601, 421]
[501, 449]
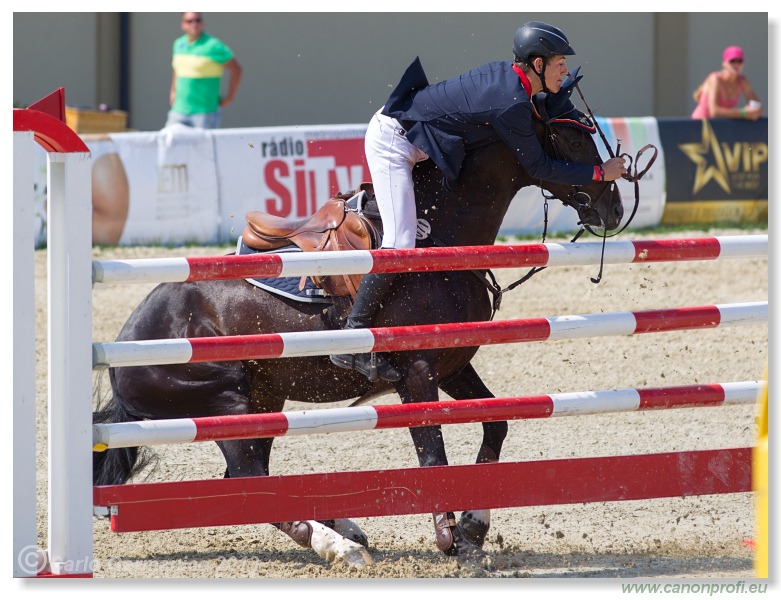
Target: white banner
[172, 179]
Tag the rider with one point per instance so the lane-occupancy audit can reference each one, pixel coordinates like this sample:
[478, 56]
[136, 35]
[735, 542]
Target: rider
[442, 121]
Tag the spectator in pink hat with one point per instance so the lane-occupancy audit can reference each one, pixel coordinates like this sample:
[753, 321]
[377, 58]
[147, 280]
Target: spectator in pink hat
[719, 94]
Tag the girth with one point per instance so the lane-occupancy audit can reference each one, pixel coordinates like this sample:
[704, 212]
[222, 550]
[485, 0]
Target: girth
[335, 226]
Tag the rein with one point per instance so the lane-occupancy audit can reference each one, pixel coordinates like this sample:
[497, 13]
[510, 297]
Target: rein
[633, 177]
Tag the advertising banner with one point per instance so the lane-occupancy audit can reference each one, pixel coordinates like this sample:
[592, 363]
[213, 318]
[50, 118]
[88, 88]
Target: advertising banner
[632, 134]
[287, 172]
[183, 185]
[172, 181]
[717, 171]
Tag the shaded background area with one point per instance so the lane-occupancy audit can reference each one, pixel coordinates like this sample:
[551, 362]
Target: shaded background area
[325, 68]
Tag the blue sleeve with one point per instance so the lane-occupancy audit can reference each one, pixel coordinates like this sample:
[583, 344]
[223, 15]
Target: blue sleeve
[514, 127]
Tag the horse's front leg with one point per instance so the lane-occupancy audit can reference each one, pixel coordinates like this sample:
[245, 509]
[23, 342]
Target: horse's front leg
[467, 385]
[335, 541]
[420, 385]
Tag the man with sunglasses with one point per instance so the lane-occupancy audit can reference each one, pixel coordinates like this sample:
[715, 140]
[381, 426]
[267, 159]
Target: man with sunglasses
[198, 64]
[719, 94]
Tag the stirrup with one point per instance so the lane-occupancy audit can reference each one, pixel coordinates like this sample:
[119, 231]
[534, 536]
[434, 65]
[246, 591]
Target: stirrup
[372, 366]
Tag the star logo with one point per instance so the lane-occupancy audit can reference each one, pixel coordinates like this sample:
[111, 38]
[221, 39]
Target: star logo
[708, 150]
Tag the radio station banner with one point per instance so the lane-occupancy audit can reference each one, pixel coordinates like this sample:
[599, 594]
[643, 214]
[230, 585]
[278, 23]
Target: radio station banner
[287, 172]
[717, 171]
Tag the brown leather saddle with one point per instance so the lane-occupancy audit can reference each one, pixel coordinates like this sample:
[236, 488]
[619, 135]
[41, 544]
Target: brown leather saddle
[342, 223]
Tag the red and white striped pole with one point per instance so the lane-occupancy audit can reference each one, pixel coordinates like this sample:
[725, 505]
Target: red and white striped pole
[299, 264]
[447, 335]
[360, 418]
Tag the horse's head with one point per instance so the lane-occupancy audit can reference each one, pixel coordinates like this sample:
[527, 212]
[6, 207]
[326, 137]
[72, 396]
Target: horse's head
[569, 136]
[470, 210]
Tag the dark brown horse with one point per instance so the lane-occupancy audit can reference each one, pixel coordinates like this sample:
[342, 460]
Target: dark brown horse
[467, 213]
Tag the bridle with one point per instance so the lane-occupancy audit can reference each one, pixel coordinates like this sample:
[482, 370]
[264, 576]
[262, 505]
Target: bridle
[634, 177]
[581, 201]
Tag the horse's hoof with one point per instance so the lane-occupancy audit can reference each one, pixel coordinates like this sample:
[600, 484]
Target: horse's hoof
[357, 558]
[451, 540]
[473, 529]
[334, 548]
[446, 532]
[350, 530]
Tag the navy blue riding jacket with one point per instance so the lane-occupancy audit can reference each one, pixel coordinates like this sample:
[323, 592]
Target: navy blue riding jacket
[484, 105]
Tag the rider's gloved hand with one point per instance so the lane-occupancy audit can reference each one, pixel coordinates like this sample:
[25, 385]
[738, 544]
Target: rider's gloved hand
[610, 170]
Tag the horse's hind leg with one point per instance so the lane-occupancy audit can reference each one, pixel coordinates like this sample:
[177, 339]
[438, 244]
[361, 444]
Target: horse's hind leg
[467, 385]
[328, 543]
[350, 530]
[250, 458]
[246, 458]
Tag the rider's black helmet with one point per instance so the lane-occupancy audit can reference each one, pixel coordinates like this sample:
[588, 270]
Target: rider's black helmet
[540, 39]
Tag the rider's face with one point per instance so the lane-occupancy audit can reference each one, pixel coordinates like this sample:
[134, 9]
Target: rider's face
[555, 72]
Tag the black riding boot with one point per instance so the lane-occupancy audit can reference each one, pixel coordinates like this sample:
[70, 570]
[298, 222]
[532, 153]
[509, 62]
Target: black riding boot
[372, 291]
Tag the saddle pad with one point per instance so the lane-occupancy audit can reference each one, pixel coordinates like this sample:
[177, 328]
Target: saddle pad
[284, 286]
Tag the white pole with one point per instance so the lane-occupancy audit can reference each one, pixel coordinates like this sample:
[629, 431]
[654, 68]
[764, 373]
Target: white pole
[25, 535]
[70, 362]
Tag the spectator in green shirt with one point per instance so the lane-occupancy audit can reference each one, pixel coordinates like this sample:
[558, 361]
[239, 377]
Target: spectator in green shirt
[198, 63]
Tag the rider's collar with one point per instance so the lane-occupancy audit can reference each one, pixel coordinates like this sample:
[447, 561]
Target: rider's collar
[527, 85]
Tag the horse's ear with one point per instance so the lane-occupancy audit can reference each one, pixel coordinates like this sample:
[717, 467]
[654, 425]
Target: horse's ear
[558, 108]
[571, 80]
[559, 104]
[539, 101]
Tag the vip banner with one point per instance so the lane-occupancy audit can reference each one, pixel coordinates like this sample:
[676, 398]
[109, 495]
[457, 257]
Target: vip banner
[717, 171]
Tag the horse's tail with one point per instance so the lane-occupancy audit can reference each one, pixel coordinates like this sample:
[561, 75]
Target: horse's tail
[116, 465]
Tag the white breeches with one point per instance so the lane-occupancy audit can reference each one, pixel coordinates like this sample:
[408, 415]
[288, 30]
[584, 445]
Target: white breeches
[391, 158]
